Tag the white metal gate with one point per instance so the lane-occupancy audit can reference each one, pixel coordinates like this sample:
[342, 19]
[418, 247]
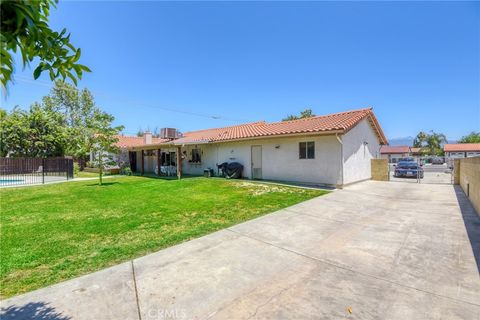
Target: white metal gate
[428, 173]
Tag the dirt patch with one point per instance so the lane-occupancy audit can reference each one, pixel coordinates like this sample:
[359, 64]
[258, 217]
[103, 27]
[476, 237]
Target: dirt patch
[258, 189]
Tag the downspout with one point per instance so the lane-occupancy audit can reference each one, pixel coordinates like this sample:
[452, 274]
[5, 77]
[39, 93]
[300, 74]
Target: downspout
[378, 155]
[341, 156]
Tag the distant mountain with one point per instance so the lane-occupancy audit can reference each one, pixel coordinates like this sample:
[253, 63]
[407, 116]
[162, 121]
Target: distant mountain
[404, 141]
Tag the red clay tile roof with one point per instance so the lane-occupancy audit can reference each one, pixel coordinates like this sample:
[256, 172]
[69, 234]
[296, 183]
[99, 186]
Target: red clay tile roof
[394, 149]
[133, 141]
[337, 122]
[452, 147]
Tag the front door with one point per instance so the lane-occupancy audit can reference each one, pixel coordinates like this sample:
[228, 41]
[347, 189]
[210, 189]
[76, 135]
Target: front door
[256, 162]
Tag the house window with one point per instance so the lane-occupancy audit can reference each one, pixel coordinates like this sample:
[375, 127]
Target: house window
[196, 156]
[306, 150]
[168, 159]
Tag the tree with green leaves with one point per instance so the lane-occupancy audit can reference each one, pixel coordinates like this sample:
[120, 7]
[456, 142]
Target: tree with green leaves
[102, 139]
[307, 113]
[472, 137]
[67, 122]
[77, 108]
[430, 143]
[3, 119]
[37, 132]
[24, 28]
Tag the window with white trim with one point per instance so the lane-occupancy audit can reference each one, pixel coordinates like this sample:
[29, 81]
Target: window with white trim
[306, 150]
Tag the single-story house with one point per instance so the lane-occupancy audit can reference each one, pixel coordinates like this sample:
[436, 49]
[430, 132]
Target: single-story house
[416, 152]
[461, 150]
[394, 153]
[332, 150]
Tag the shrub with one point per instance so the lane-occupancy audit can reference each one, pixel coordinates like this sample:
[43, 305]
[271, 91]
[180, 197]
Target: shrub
[76, 168]
[126, 171]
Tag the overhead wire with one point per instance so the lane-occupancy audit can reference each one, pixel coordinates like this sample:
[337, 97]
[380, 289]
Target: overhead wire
[23, 79]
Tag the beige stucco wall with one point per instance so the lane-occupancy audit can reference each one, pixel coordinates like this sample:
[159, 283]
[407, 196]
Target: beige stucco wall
[150, 163]
[280, 160]
[469, 178]
[357, 154]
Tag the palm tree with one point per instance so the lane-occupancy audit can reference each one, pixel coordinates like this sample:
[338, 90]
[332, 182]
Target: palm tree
[431, 143]
[435, 142]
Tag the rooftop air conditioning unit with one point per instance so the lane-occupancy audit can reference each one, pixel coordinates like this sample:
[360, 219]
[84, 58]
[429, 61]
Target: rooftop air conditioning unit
[168, 133]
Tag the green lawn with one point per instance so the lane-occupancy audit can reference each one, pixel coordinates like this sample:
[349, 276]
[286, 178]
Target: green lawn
[85, 174]
[56, 232]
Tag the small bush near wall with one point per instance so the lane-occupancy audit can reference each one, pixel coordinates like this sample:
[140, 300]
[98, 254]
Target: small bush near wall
[126, 171]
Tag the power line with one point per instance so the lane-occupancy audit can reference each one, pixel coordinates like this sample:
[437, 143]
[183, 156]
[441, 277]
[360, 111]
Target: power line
[136, 103]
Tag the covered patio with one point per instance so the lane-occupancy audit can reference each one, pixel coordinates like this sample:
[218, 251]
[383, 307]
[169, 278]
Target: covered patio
[163, 159]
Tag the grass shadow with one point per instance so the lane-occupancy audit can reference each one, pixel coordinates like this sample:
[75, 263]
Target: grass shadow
[169, 178]
[105, 184]
[32, 310]
[471, 219]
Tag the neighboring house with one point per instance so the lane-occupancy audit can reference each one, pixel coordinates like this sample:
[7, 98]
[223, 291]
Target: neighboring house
[334, 150]
[461, 150]
[394, 153]
[416, 152]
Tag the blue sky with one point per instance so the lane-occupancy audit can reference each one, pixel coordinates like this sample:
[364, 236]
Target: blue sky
[416, 63]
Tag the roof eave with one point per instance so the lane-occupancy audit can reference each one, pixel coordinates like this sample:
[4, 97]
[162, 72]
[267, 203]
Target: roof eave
[277, 136]
[152, 146]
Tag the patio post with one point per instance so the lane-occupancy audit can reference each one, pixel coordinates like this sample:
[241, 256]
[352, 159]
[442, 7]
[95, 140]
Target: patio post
[159, 157]
[143, 162]
[179, 162]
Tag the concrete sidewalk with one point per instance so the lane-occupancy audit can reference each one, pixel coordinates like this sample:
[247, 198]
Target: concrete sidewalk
[375, 250]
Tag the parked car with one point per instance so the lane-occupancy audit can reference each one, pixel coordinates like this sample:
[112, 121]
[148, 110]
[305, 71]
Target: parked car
[438, 160]
[408, 169]
[407, 159]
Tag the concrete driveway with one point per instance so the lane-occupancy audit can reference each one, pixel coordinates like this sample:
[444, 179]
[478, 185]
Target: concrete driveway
[376, 250]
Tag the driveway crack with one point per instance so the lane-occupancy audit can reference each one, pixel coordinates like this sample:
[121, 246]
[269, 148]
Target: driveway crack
[268, 301]
[136, 291]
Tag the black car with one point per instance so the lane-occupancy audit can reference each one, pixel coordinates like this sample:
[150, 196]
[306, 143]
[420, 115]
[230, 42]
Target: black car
[408, 169]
